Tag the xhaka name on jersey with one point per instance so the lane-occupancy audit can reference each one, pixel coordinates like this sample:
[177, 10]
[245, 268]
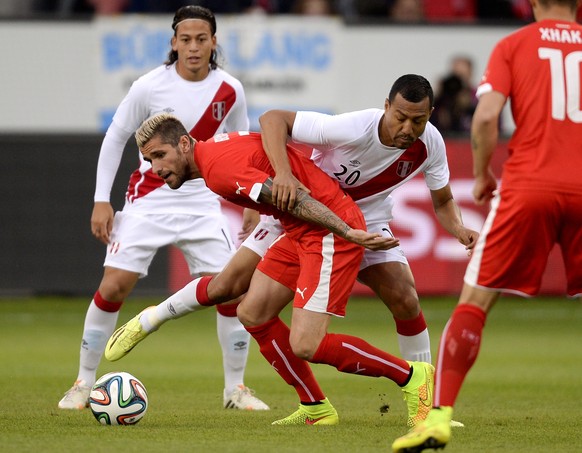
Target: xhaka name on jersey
[562, 36]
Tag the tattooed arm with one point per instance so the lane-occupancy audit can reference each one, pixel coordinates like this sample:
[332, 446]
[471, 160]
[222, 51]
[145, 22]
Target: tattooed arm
[309, 209]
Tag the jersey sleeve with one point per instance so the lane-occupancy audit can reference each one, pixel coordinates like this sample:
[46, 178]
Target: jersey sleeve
[134, 108]
[238, 118]
[325, 131]
[109, 160]
[130, 114]
[497, 76]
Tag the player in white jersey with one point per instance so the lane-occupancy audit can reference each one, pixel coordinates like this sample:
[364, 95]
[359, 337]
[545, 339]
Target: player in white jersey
[371, 153]
[208, 101]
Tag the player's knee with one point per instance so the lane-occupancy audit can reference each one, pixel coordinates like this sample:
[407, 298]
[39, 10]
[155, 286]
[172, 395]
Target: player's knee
[116, 285]
[403, 305]
[303, 349]
[246, 316]
[114, 291]
[252, 315]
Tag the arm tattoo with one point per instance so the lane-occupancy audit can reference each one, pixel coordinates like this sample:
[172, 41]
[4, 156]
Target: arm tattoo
[309, 209]
[266, 195]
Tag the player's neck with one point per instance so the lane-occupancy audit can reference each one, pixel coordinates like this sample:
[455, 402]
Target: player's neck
[192, 75]
[555, 12]
[194, 170]
[384, 138]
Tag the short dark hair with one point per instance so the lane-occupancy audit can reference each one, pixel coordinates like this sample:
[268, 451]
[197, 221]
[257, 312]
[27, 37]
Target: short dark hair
[194, 12]
[413, 88]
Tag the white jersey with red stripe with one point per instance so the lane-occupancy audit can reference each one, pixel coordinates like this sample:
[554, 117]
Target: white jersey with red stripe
[214, 105]
[348, 147]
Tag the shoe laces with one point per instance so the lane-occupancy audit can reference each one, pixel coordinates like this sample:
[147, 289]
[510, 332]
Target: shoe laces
[243, 391]
[77, 387]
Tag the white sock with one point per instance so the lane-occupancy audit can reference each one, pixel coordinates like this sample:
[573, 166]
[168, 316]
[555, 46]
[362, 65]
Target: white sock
[415, 348]
[99, 325]
[177, 305]
[234, 340]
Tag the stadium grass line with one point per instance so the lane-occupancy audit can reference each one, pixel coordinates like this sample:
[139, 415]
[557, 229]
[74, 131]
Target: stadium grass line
[513, 399]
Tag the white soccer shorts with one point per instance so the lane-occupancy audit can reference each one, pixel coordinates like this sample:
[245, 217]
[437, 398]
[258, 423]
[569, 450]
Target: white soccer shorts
[205, 241]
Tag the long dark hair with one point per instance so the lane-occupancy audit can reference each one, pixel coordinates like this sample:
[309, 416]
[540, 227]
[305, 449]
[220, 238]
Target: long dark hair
[194, 12]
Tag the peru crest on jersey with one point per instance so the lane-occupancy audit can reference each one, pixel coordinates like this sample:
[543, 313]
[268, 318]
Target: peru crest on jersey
[218, 110]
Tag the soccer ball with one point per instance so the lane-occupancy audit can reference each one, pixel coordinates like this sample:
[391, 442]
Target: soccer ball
[118, 399]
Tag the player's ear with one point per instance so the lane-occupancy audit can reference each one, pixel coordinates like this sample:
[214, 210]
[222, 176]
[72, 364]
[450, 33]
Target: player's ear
[184, 143]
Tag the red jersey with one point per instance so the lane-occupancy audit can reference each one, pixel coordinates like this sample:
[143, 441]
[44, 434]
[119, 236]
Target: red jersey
[538, 67]
[235, 167]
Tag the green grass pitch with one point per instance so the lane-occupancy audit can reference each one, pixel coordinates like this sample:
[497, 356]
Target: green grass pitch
[523, 395]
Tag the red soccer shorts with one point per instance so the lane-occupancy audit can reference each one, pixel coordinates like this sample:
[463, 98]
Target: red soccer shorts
[320, 267]
[519, 233]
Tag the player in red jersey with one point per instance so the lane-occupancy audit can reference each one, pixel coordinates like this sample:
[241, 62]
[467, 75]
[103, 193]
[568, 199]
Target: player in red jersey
[207, 100]
[382, 148]
[319, 246]
[539, 201]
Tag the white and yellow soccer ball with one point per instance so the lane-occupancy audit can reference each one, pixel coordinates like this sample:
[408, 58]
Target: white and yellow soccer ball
[118, 398]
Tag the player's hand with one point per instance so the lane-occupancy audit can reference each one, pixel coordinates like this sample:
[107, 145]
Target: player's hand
[371, 241]
[468, 238]
[484, 188]
[285, 186]
[102, 221]
[250, 220]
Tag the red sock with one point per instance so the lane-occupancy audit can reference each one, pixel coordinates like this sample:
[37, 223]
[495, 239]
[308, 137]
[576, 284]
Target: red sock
[273, 340]
[411, 327]
[353, 355]
[106, 305]
[202, 291]
[228, 310]
[458, 349]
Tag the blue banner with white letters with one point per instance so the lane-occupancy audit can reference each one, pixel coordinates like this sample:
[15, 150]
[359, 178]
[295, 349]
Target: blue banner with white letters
[283, 62]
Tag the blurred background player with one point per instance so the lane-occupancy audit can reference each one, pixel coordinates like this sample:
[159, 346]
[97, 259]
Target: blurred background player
[208, 101]
[539, 201]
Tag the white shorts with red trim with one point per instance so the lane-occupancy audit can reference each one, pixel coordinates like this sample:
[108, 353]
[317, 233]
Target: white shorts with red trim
[205, 241]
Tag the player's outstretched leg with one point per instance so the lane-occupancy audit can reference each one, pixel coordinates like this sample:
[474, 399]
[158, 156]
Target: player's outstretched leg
[126, 338]
[149, 320]
[434, 432]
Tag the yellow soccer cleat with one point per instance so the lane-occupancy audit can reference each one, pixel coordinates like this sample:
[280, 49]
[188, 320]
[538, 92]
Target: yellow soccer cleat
[434, 432]
[318, 414]
[418, 392]
[125, 338]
